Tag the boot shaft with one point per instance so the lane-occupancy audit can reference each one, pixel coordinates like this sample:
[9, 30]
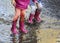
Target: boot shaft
[13, 28]
[14, 24]
[31, 16]
[22, 26]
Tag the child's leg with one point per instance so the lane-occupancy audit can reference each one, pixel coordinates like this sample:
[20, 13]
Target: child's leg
[21, 22]
[36, 16]
[15, 18]
[17, 13]
[30, 20]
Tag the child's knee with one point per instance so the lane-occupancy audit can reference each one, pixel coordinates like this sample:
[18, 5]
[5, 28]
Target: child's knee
[15, 18]
[22, 17]
[22, 13]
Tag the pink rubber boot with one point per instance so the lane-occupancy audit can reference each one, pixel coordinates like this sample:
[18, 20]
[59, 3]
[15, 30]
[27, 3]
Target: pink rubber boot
[21, 24]
[22, 27]
[13, 29]
[30, 20]
[36, 16]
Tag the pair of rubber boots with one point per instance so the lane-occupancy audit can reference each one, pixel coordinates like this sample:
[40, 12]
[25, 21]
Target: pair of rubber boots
[35, 16]
[21, 23]
[21, 27]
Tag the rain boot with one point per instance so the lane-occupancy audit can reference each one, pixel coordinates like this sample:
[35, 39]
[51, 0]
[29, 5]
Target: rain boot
[36, 16]
[22, 25]
[13, 29]
[30, 20]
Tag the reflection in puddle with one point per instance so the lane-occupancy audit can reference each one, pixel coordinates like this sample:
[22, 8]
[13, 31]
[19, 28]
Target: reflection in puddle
[14, 38]
[30, 37]
[17, 39]
[21, 37]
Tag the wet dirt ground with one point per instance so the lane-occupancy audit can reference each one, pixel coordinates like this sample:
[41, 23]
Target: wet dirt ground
[44, 32]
